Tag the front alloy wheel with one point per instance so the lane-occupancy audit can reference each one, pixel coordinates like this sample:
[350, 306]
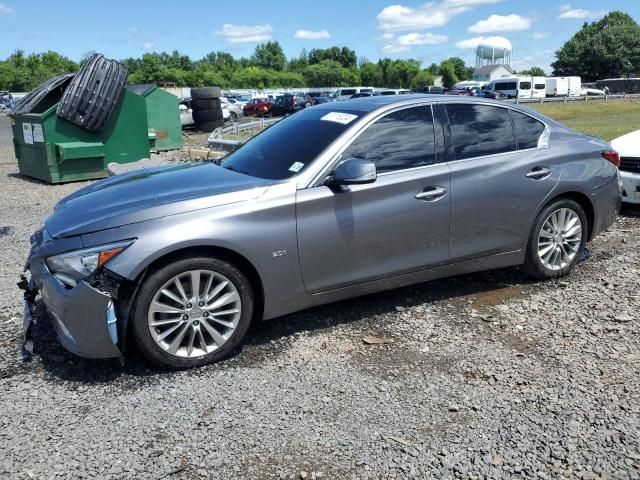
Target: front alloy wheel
[192, 312]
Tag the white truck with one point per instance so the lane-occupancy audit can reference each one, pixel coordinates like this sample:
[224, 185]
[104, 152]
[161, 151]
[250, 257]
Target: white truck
[563, 86]
[539, 87]
[511, 87]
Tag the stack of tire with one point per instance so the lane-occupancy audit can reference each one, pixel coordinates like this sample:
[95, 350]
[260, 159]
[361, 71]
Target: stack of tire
[92, 95]
[207, 109]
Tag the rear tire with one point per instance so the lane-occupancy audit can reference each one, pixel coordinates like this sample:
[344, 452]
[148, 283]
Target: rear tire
[557, 239]
[206, 338]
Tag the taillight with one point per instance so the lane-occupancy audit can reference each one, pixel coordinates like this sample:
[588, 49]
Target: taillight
[612, 156]
[293, 101]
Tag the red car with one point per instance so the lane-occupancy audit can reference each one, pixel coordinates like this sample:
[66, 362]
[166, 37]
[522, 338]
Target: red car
[257, 106]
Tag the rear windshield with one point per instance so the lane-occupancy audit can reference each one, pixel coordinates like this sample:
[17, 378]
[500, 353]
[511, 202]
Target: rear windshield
[540, 86]
[525, 85]
[290, 146]
[348, 91]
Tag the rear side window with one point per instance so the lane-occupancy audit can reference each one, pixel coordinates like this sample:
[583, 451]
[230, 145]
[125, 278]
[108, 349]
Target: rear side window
[479, 130]
[506, 86]
[400, 140]
[528, 130]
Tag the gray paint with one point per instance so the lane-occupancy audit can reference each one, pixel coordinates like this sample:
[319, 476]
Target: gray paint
[329, 243]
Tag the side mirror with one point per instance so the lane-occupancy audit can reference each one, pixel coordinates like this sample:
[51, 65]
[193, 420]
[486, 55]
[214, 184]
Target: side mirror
[354, 171]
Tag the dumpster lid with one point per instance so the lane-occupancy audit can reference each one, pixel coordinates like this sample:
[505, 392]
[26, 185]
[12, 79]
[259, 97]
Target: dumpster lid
[31, 102]
[141, 88]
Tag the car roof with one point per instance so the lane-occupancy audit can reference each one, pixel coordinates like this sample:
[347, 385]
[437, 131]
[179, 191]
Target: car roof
[369, 104]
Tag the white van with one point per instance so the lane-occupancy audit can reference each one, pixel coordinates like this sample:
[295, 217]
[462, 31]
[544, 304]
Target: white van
[512, 87]
[539, 87]
[564, 86]
[575, 86]
[347, 92]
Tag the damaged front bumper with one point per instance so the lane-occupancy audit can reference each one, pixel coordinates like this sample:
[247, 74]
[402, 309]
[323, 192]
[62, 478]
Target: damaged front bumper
[84, 316]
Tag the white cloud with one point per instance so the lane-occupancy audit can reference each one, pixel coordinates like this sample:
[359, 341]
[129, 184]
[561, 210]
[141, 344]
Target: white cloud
[148, 45]
[245, 34]
[411, 39]
[387, 36]
[5, 9]
[540, 35]
[309, 35]
[404, 43]
[501, 23]
[469, 42]
[400, 18]
[395, 48]
[567, 12]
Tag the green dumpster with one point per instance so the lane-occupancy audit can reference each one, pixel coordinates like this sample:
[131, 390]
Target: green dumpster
[163, 116]
[55, 150]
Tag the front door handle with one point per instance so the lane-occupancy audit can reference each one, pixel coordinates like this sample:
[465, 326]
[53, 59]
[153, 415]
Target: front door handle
[538, 173]
[431, 193]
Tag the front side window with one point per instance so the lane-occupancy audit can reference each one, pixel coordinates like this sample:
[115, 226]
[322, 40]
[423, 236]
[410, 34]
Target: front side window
[528, 130]
[399, 140]
[479, 130]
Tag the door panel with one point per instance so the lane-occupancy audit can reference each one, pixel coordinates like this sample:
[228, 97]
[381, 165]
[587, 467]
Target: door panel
[367, 232]
[494, 196]
[493, 201]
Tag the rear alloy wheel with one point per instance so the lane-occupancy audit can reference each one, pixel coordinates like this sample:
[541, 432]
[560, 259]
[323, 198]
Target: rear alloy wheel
[192, 312]
[233, 117]
[557, 240]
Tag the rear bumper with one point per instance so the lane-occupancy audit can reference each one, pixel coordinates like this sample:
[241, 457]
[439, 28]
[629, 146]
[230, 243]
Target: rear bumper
[83, 317]
[630, 187]
[607, 203]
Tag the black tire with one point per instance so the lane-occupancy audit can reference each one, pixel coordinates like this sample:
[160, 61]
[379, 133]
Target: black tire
[140, 328]
[93, 94]
[206, 92]
[34, 98]
[233, 117]
[206, 104]
[210, 126]
[533, 265]
[201, 116]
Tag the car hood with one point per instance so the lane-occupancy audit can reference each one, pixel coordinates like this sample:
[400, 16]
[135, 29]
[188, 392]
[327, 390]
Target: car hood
[627, 145]
[150, 193]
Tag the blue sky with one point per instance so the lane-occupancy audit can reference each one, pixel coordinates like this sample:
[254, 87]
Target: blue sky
[429, 31]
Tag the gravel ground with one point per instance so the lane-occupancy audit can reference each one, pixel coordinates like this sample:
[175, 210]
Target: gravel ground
[482, 376]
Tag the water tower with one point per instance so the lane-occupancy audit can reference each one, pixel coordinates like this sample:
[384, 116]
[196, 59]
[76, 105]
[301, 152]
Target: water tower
[493, 51]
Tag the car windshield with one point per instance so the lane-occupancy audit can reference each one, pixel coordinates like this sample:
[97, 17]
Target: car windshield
[291, 145]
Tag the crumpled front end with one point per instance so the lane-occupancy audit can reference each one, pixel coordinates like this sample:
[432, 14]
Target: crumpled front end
[84, 316]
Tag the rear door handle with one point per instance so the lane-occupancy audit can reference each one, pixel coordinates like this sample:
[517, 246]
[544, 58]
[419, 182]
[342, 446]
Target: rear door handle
[538, 173]
[431, 193]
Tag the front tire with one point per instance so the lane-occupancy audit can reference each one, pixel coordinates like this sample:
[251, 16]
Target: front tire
[192, 312]
[557, 239]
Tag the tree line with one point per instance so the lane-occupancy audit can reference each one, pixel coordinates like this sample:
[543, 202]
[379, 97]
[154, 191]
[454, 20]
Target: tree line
[268, 67]
[609, 47]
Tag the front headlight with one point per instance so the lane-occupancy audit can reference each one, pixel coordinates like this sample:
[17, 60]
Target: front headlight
[70, 267]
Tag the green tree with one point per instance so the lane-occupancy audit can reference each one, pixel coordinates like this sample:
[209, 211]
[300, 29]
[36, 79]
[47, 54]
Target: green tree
[270, 56]
[370, 74]
[344, 56]
[533, 72]
[609, 47]
[329, 73]
[449, 77]
[459, 68]
[422, 78]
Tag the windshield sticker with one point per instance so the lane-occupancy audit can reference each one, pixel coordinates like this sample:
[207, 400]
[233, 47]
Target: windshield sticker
[338, 117]
[296, 167]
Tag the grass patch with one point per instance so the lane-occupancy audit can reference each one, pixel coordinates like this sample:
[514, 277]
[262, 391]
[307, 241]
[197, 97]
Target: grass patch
[607, 120]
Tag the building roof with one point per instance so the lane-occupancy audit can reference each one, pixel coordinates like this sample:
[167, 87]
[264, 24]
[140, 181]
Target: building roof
[487, 69]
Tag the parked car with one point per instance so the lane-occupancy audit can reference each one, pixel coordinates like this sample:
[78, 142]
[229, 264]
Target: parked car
[362, 94]
[629, 148]
[186, 112]
[233, 109]
[289, 103]
[384, 192]
[398, 91]
[347, 93]
[459, 92]
[257, 106]
[429, 89]
[321, 100]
